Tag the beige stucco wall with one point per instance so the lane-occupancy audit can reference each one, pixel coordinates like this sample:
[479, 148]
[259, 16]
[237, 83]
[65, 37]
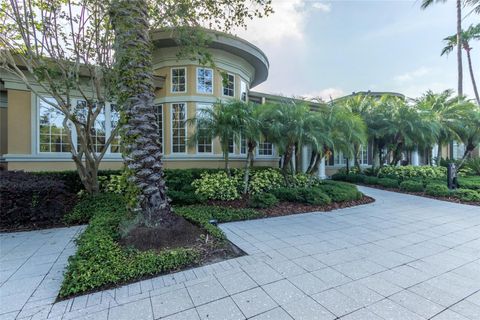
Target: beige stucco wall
[3, 130]
[19, 122]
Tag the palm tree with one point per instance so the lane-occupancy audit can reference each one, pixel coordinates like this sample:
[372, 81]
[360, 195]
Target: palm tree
[140, 134]
[472, 33]
[469, 128]
[223, 120]
[447, 112]
[428, 3]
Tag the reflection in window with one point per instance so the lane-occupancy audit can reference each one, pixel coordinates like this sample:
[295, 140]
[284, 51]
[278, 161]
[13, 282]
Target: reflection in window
[114, 119]
[159, 116]
[229, 86]
[98, 132]
[53, 137]
[204, 80]
[179, 128]
[204, 141]
[179, 80]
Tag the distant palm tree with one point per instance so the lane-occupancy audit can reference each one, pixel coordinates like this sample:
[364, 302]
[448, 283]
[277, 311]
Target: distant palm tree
[427, 3]
[472, 33]
[469, 128]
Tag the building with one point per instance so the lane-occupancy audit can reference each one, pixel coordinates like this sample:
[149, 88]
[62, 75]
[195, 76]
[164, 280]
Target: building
[32, 138]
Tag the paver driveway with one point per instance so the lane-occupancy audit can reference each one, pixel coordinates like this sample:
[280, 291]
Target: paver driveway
[402, 257]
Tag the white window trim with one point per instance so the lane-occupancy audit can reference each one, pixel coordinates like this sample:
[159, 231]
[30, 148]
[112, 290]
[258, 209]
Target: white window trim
[246, 90]
[223, 87]
[240, 147]
[163, 126]
[213, 80]
[171, 79]
[257, 151]
[171, 128]
[208, 105]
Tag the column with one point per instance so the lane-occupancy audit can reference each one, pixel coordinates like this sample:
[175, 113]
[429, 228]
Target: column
[415, 158]
[305, 158]
[321, 169]
[294, 160]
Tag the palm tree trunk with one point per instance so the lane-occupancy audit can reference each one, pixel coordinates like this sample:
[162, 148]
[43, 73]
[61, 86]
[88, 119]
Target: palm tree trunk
[459, 48]
[470, 68]
[227, 163]
[143, 156]
[439, 153]
[248, 165]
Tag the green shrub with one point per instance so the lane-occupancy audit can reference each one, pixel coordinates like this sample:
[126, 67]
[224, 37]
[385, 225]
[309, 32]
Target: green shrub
[437, 190]
[473, 165]
[469, 182]
[371, 180]
[287, 194]
[467, 195]
[203, 214]
[263, 200]
[388, 183]
[314, 196]
[101, 261]
[408, 172]
[183, 198]
[263, 180]
[217, 186]
[340, 192]
[412, 186]
[339, 176]
[355, 178]
[91, 204]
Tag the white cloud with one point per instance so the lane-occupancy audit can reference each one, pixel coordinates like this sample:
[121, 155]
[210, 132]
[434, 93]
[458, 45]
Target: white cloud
[325, 7]
[412, 75]
[286, 23]
[325, 94]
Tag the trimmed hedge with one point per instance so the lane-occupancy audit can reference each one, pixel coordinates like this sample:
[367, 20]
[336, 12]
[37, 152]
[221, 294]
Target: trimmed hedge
[469, 182]
[412, 186]
[388, 183]
[263, 200]
[202, 215]
[355, 178]
[408, 172]
[340, 192]
[314, 196]
[287, 194]
[371, 180]
[437, 190]
[27, 199]
[101, 261]
[467, 195]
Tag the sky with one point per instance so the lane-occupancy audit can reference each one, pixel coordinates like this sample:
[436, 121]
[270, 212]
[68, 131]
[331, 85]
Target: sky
[332, 48]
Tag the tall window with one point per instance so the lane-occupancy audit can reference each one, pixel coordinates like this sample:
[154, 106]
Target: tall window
[98, 132]
[114, 119]
[231, 146]
[204, 143]
[243, 146]
[229, 85]
[265, 148]
[53, 137]
[159, 116]
[363, 154]
[458, 150]
[179, 127]
[179, 79]
[204, 80]
[243, 90]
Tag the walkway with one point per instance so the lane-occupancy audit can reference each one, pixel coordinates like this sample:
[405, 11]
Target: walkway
[402, 257]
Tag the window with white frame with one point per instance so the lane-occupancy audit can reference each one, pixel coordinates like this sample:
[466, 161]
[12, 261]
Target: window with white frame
[265, 148]
[204, 80]
[159, 117]
[363, 156]
[204, 141]
[229, 85]
[179, 79]
[179, 127]
[243, 146]
[114, 120]
[231, 146]
[339, 159]
[243, 90]
[458, 150]
[52, 135]
[99, 130]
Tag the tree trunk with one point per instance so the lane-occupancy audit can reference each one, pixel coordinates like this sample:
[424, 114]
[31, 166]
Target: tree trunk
[470, 68]
[140, 134]
[459, 48]
[248, 165]
[227, 162]
[356, 162]
[439, 153]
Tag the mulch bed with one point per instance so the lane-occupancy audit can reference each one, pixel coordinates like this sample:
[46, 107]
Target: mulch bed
[422, 194]
[287, 208]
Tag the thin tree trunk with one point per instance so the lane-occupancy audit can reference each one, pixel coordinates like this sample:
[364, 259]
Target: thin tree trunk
[248, 165]
[439, 153]
[459, 48]
[470, 68]
[140, 134]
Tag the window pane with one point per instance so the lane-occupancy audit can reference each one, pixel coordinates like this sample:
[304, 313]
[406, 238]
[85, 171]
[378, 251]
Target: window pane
[114, 119]
[229, 86]
[243, 146]
[98, 131]
[204, 80]
[178, 80]
[243, 90]
[204, 143]
[178, 128]
[231, 146]
[52, 135]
